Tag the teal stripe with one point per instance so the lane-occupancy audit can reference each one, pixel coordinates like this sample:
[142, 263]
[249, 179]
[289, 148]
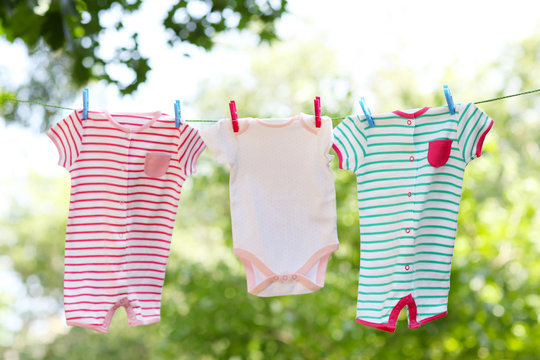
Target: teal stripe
[408, 144]
[407, 177]
[417, 253]
[391, 307]
[401, 117]
[385, 241]
[470, 133]
[357, 129]
[410, 169]
[399, 298]
[407, 263]
[406, 246]
[352, 149]
[412, 134]
[343, 146]
[482, 130]
[384, 223]
[354, 137]
[403, 290]
[417, 125]
[409, 185]
[406, 194]
[412, 228]
[409, 203]
[403, 273]
[403, 281]
[405, 152]
[466, 124]
[413, 211]
[404, 160]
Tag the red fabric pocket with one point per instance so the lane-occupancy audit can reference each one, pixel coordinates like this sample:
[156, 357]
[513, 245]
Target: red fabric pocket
[439, 152]
[156, 163]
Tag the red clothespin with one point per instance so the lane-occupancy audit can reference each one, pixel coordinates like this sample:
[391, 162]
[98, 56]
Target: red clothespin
[234, 115]
[317, 104]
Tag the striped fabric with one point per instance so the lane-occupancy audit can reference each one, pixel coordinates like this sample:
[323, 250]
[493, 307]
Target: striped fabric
[127, 172]
[409, 171]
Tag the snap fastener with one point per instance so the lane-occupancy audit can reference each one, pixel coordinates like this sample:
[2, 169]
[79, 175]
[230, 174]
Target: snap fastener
[407, 230]
[407, 267]
[411, 158]
[275, 278]
[294, 277]
[409, 194]
[409, 122]
[285, 278]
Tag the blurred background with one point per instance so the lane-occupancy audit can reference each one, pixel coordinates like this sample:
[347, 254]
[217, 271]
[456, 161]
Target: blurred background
[272, 57]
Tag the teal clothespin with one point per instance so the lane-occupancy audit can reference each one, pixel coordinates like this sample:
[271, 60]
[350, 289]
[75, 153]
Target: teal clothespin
[367, 112]
[177, 114]
[85, 103]
[449, 100]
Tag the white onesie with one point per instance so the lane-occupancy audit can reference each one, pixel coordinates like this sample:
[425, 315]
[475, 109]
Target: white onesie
[283, 204]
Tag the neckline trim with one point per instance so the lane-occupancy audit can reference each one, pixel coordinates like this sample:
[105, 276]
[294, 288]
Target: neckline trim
[155, 115]
[411, 115]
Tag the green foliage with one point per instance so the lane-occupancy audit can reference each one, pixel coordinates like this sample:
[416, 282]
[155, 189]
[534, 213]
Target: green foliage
[207, 314]
[67, 34]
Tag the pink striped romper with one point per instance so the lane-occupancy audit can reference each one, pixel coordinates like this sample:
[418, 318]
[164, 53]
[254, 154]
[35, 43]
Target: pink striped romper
[127, 171]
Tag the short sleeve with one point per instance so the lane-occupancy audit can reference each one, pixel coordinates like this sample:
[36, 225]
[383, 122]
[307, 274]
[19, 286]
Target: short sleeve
[67, 136]
[350, 144]
[190, 148]
[473, 126]
[220, 141]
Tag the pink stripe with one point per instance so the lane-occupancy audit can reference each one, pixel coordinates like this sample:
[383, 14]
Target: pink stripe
[129, 201]
[119, 294]
[123, 217]
[71, 135]
[117, 279]
[113, 256]
[411, 115]
[115, 209]
[123, 194]
[109, 272]
[198, 153]
[122, 225]
[110, 287]
[118, 263]
[117, 248]
[127, 186]
[338, 153]
[130, 147]
[117, 240]
[122, 177]
[58, 142]
[68, 144]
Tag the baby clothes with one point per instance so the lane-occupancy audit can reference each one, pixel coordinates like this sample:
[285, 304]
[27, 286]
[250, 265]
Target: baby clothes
[283, 205]
[409, 170]
[127, 172]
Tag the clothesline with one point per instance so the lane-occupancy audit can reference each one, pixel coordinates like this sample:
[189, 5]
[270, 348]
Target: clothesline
[211, 120]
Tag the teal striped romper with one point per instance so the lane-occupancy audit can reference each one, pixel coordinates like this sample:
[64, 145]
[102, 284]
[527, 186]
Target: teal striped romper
[409, 170]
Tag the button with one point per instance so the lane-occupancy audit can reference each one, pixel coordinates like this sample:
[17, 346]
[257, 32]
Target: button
[407, 267]
[294, 277]
[407, 230]
[284, 278]
[411, 158]
[409, 122]
[409, 194]
[121, 235]
[275, 278]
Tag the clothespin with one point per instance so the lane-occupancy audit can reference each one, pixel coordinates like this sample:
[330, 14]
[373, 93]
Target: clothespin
[85, 103]
[317, 104]
[177, 114]
[234, 115]
[367, 112]
[449, 100]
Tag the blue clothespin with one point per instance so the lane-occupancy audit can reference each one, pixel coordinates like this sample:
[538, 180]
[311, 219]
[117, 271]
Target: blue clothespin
[177, 114]
[85, 103]
[367, 112]
[449, 100]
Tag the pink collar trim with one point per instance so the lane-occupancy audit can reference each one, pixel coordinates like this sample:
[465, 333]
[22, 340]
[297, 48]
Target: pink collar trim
[411, 115]
[154, 116]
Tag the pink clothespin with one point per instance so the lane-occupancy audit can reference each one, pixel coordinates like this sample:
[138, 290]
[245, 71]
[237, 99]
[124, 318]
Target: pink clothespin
[317, 104]
[234, 115]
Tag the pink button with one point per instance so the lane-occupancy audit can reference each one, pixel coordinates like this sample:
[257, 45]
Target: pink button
[407, 267]
[275, 278]
[407, 230]
[409, 194]
[411, 158]
[294, 277]
[284, 278]
[409, 122]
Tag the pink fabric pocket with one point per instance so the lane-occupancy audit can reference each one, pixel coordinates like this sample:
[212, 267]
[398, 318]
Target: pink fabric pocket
[156, 163]
[439, 152]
